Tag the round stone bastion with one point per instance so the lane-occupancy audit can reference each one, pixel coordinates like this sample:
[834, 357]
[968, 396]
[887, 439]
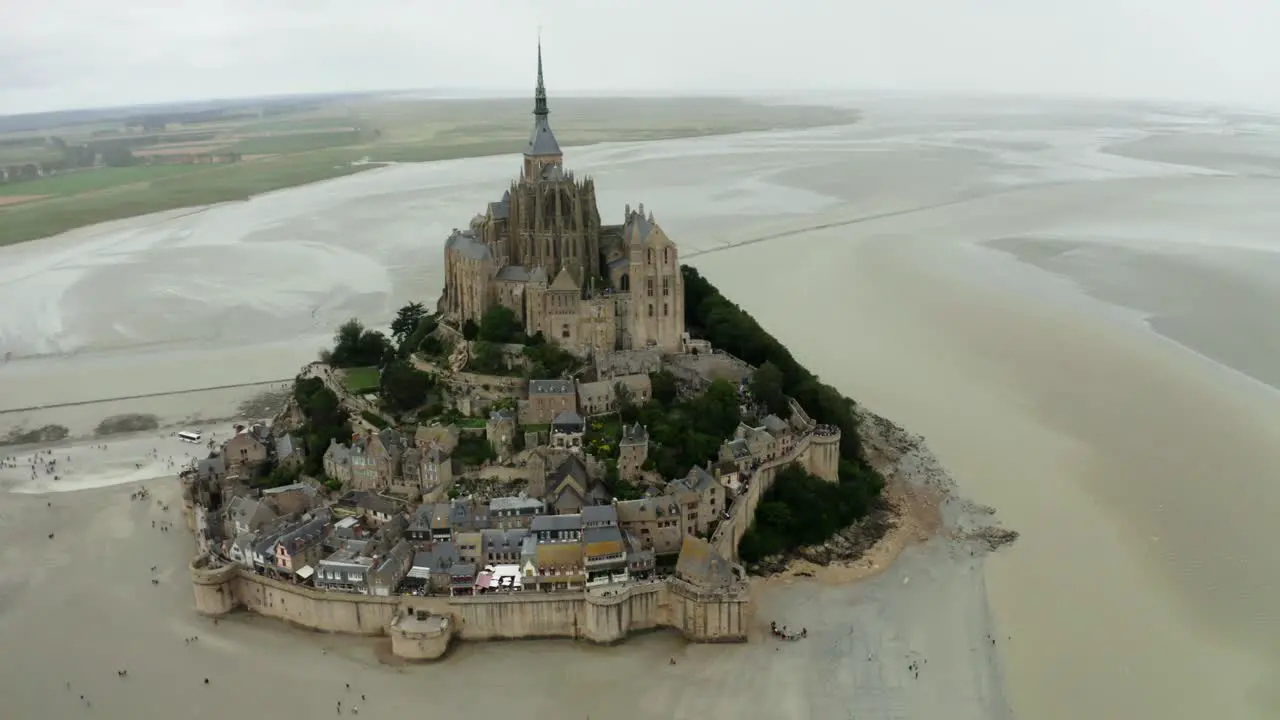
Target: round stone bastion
[420, 636]
[213, 585]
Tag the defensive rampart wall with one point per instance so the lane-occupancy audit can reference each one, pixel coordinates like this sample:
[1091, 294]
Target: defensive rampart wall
[602, 615]
[818, 453]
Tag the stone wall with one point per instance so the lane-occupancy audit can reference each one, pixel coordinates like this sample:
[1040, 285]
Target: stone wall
[820, 455]
[602, 615]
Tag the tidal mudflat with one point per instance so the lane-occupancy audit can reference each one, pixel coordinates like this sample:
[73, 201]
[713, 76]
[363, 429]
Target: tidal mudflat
[909, 260]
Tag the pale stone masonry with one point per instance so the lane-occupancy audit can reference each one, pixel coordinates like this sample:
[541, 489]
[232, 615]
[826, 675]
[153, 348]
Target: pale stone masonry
[543, 251]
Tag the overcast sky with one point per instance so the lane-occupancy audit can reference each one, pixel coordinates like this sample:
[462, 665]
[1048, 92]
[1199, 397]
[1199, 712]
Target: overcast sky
[58, 54]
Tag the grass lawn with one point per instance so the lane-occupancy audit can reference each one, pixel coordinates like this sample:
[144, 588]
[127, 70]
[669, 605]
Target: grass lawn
[203, 186]
[470, 422]
[303, 142]
[90, 179]
[360, 380]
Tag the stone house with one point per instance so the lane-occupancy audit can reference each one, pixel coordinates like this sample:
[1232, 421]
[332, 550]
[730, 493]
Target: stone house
[408, 482]
[422, 524]
[633, 450]
[558, 555]
[500, 431]
[736, 452]
[247, 515]
[570, 487]
[469, 545]
[386, 447]
[246, 453]
[378, 510]
[728, 474]
[657, 523]
[346, 570]
[212, 469]
[437, 469]
[547, 399]
[701, 566]
[762, 446]
[567, 431]
[337, 462]
[502, 546]
[288, 451]
[597, 398]
[711, 496]
[443, 437]
[390, 569]
[301, 547]
[241, 549]
[604, 550]
[298, 498]
[364, 465]
[435, 562]
[514, 512]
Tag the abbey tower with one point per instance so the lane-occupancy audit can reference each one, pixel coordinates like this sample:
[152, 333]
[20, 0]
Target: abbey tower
[542, 251]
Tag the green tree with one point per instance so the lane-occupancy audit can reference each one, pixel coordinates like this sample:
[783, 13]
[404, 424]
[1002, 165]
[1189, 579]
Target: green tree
[766, 387]
[356, 346]
[406, 321]
[404, 387]
[500, 325]
[486, 358]
[422, 339]
[665, 389]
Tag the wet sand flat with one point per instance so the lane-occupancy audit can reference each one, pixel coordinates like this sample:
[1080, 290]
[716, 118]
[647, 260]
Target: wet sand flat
[1137, 465]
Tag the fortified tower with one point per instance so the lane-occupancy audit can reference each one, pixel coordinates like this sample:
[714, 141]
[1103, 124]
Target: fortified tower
[213, 585]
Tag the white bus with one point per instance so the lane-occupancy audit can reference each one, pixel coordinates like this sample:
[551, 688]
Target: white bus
[189, 436]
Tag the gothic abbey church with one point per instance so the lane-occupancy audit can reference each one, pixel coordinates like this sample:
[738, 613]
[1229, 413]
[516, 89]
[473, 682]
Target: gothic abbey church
[542, 252]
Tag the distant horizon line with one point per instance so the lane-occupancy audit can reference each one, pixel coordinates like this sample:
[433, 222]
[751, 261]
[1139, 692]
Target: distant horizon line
[471, 93]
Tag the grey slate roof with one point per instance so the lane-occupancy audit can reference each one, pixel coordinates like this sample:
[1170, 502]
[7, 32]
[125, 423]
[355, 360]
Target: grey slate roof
[775, 425]
[551, 387]
[542, 142]
[543, 523]
[285, 446]
[514, 273]
[515, 503]
[568, 418]
[598, 514]
[601, 534]
[211, 466]
[701, 565]
[698, 480]
[503, 540]
[467, 245]
[638, 227]
[634, 434]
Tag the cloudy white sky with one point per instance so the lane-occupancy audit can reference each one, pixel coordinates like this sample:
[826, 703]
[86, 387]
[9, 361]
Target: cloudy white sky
[57, 54]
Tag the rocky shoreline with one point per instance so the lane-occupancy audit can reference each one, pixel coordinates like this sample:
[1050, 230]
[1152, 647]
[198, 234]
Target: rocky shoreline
[920, 500]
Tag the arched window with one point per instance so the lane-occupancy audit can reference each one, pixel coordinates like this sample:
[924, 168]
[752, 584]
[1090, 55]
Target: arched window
[650, 256]
[666, 256]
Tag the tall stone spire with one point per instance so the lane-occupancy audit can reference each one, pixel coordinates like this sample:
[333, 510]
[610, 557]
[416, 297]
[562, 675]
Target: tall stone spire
[542, 150]
[540, 95]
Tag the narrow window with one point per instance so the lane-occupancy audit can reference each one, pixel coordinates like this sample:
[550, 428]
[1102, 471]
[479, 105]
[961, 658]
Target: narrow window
[665, 310]
[650, 309]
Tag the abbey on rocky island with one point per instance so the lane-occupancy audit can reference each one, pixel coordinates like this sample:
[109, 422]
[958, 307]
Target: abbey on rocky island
[543, 252]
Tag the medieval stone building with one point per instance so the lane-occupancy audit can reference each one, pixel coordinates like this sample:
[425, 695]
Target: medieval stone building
[543, 252]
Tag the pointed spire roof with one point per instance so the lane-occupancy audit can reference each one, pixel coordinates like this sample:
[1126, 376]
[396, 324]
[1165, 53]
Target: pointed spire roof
[542, 142]
[540, 95]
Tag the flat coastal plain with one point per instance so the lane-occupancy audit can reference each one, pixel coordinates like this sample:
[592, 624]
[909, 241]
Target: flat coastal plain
[1072, 303]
